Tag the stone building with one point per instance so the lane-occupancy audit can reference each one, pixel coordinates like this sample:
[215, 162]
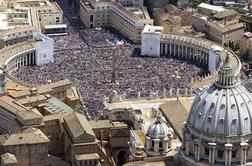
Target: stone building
[113, 136]
[154, 5]
[29, 147]
[8, 159]
[219, 24]
[168, 17]
[42, 15]
[128, 17]
[218, 128]
[246, 45]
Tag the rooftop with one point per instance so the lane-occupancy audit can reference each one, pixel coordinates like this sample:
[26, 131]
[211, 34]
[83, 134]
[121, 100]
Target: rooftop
[90, 156]
[78, 128]
[29, 136]
[139, 136]
[56, 106]
[225, 13]
[41, 89]
[8, 158]
[153, 29]
[11, 105]
[176, 114]
[211, 7]
[100, 124]
[29, 114]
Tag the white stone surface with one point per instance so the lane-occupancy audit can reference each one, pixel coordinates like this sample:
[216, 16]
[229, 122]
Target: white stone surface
[44, 49]
[151, 40]
[214, 55]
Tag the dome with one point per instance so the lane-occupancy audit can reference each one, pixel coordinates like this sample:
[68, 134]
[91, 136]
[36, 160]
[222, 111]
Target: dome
[159, 128]
[224, 108]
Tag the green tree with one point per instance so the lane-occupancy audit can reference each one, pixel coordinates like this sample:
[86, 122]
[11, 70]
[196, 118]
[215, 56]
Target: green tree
[245, 55]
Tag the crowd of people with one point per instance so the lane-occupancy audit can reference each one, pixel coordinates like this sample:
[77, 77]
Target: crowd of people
[85, 58]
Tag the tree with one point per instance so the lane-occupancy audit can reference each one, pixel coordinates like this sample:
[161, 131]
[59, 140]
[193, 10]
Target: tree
[226, 44]
[245, 55]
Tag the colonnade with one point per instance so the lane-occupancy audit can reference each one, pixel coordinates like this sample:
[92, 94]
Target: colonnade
[229, 151]
[22, 60]
[184, 50]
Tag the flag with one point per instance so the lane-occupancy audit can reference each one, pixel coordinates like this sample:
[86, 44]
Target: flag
[116, 42]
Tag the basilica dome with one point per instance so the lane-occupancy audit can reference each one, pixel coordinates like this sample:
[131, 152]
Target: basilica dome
[159, 128]
[158, 139]
[224, 108]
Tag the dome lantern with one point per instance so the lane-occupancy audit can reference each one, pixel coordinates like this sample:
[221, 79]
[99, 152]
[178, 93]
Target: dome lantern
[227, 77]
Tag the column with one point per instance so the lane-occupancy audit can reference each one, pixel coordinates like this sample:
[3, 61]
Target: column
[187, 144]
[228, 154]
[197, 149]
[23, 60]
[34, 58]
[193, 54]
[26, 59]
[211, 153]
[172, 50]
[244, 147]
[156, 145]
[169, 142]
[190, 53]
[206, 56]
[165, 144]
[148, 143]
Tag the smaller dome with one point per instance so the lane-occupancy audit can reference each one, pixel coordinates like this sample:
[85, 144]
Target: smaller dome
[159, 128]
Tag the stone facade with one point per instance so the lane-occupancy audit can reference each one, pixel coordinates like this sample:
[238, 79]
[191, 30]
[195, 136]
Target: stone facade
[130, 24]
[221, 26]
[246, 45]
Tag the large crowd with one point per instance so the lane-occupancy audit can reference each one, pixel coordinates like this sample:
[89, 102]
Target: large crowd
[85, 58]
